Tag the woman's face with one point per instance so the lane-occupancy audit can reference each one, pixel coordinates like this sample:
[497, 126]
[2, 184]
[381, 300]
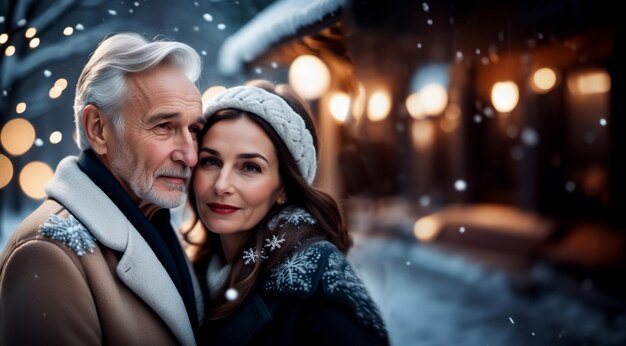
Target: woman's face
[237, 180]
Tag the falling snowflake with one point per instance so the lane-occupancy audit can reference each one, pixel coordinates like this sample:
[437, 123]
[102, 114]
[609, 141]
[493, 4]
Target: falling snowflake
[208, 17]
[530, 137]
[221, 26]
[460, 185]
[113, 12]
[47, 73]
[231, 294]
[275, 242]
[511, 319]
[69, 231]
[80, 27]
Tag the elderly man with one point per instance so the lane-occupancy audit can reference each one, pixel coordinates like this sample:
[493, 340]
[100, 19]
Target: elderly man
[98, 262]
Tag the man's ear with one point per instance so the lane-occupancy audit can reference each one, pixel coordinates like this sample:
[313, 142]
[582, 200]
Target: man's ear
[94, 122]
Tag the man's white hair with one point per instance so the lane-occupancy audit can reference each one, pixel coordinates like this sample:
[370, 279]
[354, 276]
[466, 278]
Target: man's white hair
[103, 80]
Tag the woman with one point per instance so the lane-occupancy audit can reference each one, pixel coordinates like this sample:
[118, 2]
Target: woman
[273, 260]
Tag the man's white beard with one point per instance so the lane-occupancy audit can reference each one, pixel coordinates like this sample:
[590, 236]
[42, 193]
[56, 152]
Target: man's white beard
[142, 184]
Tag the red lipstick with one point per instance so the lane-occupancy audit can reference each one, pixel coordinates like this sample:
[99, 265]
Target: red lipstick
[222, 208]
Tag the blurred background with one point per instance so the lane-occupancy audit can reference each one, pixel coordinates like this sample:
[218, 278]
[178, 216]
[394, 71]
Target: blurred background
[476, 148]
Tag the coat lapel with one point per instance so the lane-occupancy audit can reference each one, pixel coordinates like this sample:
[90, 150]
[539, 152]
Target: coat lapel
[139, 268]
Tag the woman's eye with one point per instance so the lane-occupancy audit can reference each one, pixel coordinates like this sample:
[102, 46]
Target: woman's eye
[210, 162]
[251, 168]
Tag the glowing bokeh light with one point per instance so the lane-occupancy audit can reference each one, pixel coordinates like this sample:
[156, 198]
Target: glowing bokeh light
[55, 92]
[340, 106]
[544, 79]
[427, 228]
[309, 76]
[68, 31]
[379, 105]
[589, 82]
[6, 171]
[504, 96]
[34, 43]
[56, 137]
[17, 136]
[414, 106]
[423, 133]
[20, 108]
[61, 83]
[30, 32]
[34, 177]
[4, 38]
[434, 98]
[9, 51]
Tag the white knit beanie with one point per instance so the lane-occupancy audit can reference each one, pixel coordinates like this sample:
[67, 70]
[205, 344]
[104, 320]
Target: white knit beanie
[275, 111]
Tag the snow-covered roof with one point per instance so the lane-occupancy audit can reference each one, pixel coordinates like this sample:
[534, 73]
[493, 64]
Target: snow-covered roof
[281, 19]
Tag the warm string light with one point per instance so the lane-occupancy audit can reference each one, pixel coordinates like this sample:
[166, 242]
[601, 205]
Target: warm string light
[309, 76]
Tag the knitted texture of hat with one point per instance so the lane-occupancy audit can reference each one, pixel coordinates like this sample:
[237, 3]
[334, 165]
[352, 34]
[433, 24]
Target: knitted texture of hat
[275, 111]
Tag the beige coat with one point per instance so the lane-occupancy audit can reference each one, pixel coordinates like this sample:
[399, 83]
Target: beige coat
[119, 294]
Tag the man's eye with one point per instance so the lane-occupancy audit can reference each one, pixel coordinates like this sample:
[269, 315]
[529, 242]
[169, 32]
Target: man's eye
[194, 130]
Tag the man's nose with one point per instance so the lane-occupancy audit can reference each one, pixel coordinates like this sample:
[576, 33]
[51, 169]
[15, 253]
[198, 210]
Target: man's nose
[186, 151]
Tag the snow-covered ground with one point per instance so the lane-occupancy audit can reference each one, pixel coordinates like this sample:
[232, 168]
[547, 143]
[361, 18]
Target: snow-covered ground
[431, 297]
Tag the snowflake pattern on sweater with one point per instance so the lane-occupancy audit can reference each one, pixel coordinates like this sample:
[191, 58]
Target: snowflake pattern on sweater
[292, 215]
[298, 275]
[70, 232]
[340, 278]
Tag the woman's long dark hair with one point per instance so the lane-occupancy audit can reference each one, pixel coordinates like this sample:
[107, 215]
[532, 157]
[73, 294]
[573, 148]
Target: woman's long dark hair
[330, 225]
